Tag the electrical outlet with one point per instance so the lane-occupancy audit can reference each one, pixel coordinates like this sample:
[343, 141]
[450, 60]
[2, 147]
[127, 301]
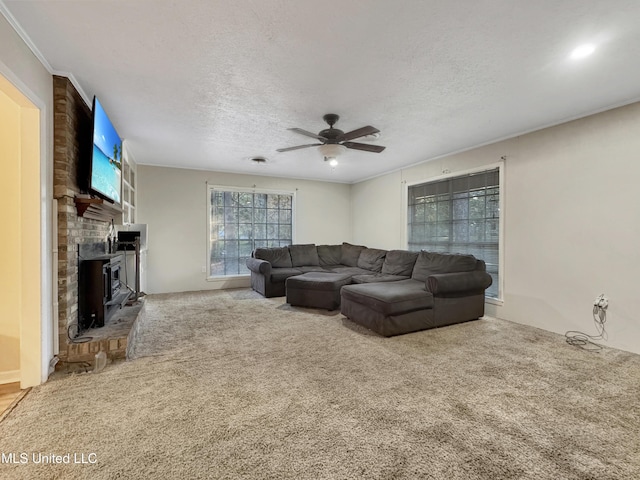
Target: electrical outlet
[204, 269]
[604, 303]
[601, 302]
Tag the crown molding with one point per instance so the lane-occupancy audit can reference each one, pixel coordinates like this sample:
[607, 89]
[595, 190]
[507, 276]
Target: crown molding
[74, 82]
[23, 35]
[38, 54]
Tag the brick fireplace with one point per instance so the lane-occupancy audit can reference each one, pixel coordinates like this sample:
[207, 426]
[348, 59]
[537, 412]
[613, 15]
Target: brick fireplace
[72, 126]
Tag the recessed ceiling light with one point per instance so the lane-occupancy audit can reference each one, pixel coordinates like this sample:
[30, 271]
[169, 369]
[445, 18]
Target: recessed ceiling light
[583, 51]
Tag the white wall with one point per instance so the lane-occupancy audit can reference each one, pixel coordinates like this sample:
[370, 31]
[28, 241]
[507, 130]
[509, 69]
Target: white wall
[571, 219]
[173, 202]
[376, 217]
[22, 71]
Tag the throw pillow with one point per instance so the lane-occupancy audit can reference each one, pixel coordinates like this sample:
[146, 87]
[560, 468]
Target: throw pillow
[430, 263]
[304, 255]
[329, 254]
[371, 259]
[278, 257]
[350, 254]
[399, 262]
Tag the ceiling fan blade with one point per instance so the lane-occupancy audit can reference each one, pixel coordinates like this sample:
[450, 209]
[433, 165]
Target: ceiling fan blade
[360, 132]
[298, 147]
[364, 146]
[308, 134]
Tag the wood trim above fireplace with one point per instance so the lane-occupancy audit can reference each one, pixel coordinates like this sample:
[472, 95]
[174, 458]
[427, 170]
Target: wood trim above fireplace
[96, 208]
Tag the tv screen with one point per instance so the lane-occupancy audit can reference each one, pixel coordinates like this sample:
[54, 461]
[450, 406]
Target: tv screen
[106, 159]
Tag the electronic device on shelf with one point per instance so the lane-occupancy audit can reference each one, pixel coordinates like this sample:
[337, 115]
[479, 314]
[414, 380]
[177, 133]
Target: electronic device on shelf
[128, 233]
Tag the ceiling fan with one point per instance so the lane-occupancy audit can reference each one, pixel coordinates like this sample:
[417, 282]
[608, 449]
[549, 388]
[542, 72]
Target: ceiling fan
[335, 141]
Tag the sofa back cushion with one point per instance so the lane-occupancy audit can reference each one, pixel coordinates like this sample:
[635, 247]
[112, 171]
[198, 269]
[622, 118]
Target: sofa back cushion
[350, 254]
[329, 254]
[399, 262]
[278, 257]
[430, 263]
[304, 255]
[371, 259]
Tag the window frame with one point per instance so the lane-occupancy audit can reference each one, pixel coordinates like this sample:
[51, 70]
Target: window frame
[253, 190]
[499, 300]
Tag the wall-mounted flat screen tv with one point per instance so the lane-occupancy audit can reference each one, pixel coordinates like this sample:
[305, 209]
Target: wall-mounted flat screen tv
[106, 159]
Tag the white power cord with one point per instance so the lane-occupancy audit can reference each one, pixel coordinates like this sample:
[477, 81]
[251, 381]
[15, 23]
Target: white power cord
[584, 341]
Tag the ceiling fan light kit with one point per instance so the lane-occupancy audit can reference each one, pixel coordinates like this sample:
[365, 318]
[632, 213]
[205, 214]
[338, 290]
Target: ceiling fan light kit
[331, 150]
[335, 142]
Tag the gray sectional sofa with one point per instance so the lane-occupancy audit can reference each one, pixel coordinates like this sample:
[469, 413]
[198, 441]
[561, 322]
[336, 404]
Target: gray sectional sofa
[390, 292]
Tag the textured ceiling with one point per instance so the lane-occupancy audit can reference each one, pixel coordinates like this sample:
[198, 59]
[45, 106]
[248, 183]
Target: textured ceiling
[207, 84]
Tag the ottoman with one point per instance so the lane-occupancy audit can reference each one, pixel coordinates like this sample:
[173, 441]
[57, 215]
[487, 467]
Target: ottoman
[316, 289]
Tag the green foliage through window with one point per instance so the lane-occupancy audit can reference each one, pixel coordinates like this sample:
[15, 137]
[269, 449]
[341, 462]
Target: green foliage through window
[458, 215]
[242, 221]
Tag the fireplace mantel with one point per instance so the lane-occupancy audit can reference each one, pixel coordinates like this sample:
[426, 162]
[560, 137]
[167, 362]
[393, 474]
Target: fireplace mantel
[96, 208]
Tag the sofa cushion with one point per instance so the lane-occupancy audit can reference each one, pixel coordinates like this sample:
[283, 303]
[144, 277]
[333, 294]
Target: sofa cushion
[430, 263]
[350, 254]
[278, 257]
[312, 268]
[332, 268]
[281, 274]
[378, 277]
[391, 298]
[329, 254]
[371, 259]
[399, 262]
[306, 255]
[349, 270]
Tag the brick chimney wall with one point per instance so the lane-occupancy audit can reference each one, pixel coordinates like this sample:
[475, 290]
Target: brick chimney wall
[72, 130]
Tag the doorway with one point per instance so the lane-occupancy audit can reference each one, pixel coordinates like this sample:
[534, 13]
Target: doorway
[20, 243]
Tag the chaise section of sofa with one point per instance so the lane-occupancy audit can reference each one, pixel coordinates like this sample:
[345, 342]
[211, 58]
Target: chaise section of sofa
[443, 289]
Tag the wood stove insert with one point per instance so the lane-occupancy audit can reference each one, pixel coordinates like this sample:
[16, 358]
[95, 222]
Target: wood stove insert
[101, 292]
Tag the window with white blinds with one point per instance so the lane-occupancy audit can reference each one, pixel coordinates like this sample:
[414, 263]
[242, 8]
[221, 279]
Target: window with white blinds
[240, 221]
[458, 215]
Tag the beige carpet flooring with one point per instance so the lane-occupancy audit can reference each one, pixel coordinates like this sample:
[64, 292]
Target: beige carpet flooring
[231, 385]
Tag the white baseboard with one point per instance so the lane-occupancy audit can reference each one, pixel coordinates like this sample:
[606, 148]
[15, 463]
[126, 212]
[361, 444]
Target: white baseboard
[10, 376]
